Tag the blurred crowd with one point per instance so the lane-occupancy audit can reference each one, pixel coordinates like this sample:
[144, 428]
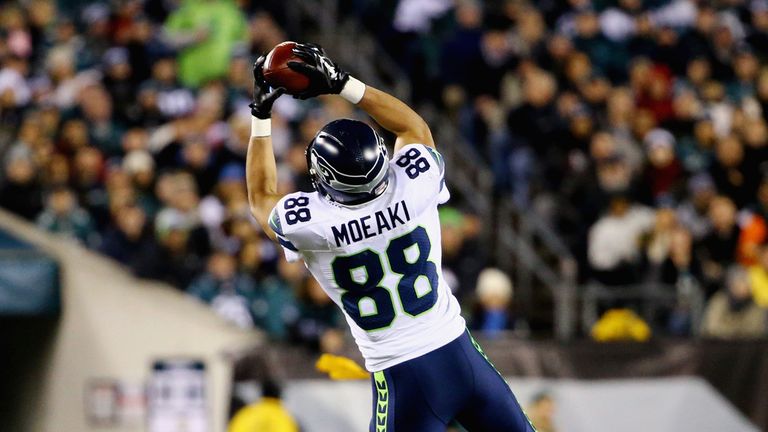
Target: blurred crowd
[636, 128]
[124, 126]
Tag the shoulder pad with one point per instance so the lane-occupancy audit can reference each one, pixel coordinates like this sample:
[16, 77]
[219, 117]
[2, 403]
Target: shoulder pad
[424, 164]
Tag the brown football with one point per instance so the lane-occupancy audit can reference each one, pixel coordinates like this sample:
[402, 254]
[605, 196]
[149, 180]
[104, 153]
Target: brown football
[278, 74]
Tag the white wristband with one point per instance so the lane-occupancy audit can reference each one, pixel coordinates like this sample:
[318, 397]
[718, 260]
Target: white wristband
[260, 127]
[353, 90]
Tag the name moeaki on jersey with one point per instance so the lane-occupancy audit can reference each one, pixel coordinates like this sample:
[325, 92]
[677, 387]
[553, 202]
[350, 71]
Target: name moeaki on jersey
[371, 225]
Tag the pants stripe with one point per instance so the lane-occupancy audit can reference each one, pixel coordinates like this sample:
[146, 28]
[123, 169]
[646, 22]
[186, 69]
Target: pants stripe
[382, 401]
[482, 353]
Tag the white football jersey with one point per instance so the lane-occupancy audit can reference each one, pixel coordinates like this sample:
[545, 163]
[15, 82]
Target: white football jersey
[380, 262]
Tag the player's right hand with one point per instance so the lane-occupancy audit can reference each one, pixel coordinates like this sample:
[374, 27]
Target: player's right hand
[325, 76]
[263, 95]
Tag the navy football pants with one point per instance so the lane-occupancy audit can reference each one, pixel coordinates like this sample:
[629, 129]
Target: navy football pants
[454, 382]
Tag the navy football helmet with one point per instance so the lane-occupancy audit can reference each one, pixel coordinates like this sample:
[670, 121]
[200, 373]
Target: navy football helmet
[348, 162]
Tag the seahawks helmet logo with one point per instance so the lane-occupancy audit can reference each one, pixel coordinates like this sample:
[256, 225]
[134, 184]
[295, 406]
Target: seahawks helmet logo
[338, 168]
[323, 171]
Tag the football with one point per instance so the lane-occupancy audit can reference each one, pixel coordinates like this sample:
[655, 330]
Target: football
[278, 74]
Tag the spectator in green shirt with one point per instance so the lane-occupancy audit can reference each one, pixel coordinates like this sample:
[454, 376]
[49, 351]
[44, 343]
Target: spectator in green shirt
[205, 32]
[62, 215]
[228, 291]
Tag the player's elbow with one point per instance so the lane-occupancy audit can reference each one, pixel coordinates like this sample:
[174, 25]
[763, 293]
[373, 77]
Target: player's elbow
[422, 129]
[419, 132]
[259, 204]
[260, 210]
[254, 209]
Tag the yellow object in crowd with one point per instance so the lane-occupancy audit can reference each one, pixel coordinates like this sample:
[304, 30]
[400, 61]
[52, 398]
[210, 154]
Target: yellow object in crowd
[758, 278]
[266, 415]
[621, 325]
[341, 368]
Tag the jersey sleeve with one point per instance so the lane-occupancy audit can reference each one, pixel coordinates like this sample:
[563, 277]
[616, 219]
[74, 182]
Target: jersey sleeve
[297, 221]
[425, 165]
[290, 250]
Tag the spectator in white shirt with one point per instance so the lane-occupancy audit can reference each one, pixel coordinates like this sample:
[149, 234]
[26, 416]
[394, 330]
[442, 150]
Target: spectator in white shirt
[614, 241]
[14, 90]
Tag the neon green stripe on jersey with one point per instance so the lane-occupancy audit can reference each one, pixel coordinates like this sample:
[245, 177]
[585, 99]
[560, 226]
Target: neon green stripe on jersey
[274, 222]
[438, 158]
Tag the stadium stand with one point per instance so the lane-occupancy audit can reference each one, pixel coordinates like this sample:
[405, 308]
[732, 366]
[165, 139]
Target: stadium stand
[112, 138]
[602, 153]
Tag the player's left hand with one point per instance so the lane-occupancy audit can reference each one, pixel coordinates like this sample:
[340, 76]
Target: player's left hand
[325, 76]
[263, 95]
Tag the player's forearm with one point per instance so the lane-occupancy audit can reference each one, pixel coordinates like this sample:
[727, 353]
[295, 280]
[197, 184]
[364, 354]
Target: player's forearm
[397, 117]
[261, 169]
[261, 174]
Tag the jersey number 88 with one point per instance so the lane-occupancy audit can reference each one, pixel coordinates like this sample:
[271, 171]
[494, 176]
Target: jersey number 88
[410, 271]
[297, 210]
[413, 163]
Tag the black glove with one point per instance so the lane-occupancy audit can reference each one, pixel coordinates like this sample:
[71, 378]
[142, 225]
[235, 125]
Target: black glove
[325, 76]
[263, 98]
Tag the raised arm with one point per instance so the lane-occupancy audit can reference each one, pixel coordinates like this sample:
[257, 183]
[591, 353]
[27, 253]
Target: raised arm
[326, 77]
[260, 167]
[395, 116]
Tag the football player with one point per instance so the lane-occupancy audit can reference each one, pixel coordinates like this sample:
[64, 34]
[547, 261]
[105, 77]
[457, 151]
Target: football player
[370, 234]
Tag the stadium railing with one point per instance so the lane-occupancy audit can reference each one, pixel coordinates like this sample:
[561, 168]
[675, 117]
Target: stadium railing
[364, 57]
[469, 175]
[651, 297]
[530, 243]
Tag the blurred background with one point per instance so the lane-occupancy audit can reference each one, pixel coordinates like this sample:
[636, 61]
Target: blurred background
[607, 236]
